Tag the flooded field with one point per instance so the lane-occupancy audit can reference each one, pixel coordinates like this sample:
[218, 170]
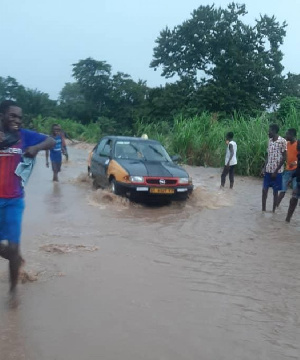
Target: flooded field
[213, 278]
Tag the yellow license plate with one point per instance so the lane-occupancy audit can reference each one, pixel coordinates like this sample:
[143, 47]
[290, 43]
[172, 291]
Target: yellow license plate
[161, 191]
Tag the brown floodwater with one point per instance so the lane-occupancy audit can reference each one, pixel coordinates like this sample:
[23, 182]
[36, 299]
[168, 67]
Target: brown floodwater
[210, 279]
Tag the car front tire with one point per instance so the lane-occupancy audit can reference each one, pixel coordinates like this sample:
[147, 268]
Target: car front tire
[115, 188]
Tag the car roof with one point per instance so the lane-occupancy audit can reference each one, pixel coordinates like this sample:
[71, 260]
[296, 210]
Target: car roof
[129, 138]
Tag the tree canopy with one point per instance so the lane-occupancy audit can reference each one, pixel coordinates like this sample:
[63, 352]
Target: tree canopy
[33, 102]
[236, 67]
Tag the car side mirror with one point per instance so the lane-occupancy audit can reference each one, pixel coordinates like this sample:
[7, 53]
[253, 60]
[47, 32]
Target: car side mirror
[176, 158]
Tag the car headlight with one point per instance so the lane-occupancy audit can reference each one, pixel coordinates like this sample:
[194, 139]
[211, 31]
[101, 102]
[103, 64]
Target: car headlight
[183, 180]
[136, 179]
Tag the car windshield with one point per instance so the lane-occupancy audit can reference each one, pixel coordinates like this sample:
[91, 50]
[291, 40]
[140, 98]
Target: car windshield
[141, 150]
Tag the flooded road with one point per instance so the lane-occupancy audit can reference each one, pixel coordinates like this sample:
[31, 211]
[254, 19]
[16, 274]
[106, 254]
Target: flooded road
[210, 279]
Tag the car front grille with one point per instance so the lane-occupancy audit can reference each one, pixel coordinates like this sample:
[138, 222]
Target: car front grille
[161, 181]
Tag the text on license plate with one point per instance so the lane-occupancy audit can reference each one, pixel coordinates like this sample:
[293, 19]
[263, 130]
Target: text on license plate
[161, 191]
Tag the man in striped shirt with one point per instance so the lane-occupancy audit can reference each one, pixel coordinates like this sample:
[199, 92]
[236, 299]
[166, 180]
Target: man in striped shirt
[273, 168]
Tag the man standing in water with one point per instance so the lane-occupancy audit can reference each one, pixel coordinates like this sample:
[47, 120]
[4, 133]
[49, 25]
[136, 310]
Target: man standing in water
[230, 160]
[296, 193]
[56, 152]
[15, 143]
[291, 163]
[273, 168]
[65, 136]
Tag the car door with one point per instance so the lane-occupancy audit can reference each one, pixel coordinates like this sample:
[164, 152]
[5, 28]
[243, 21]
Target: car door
[100, 160]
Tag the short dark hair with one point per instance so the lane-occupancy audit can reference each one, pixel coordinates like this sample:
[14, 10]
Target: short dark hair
[292, 131]
[5, 105]
[229, 135]
[275, 128]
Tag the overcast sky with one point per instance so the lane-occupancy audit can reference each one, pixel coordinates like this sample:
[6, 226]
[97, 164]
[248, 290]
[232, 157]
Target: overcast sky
[41, 39]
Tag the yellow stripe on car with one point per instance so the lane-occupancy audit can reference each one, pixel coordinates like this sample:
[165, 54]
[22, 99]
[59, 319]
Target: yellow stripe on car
[117, 171]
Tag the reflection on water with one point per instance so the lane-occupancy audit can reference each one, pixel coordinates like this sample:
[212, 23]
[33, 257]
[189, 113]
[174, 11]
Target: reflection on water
[213, 277]
[54, 199]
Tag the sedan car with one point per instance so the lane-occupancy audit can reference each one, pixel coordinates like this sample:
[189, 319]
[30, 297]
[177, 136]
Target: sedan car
[138, 168]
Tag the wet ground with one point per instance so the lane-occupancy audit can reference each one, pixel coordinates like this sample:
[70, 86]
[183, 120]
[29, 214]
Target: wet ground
[106, 279]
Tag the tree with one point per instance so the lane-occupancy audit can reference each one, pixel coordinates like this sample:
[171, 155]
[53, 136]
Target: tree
[236, 67]
[35, 102]
[32, 102]
[287, 106]
[93, 78]
[292, 85]
[126, 100]
[108, 96]
[10, 89]
[72, 104]
[172, 99]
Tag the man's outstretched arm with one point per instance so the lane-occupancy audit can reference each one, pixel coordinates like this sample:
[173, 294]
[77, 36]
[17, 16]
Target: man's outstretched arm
[47, 144]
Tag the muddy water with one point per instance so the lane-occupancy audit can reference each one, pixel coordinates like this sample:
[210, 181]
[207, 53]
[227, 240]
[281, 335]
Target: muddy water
[210, 279]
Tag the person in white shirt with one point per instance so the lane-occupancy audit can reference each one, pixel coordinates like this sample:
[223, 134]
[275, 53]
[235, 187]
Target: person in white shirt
[230, 160]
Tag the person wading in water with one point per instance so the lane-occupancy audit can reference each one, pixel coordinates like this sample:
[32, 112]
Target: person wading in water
[56, 152]
[273, 167]
[230, 160]
[293, 147]
[16, 145]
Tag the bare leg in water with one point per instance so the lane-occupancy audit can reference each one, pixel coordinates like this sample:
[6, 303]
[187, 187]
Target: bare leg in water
[275, 200]
[291, 209]
[280, 197]
[55, 175]
[11, 252]
[264, 198]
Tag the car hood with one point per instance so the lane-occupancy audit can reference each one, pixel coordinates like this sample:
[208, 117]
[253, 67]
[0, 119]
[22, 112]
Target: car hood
[152, 168]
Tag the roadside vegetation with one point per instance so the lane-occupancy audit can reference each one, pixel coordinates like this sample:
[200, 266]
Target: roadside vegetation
[199, 140]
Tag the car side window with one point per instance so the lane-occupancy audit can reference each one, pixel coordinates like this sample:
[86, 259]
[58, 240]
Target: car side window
[100, 146]
[104, 148]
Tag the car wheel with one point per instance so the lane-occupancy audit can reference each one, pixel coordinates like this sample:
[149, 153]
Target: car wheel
[95, 184]
[90, 174]
[115, 188]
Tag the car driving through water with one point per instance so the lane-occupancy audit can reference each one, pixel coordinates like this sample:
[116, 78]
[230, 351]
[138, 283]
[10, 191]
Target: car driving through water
[138, 168]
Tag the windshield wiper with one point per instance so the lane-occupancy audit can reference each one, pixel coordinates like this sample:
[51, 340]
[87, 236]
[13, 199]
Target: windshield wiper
[138, 151]
[157, 151]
